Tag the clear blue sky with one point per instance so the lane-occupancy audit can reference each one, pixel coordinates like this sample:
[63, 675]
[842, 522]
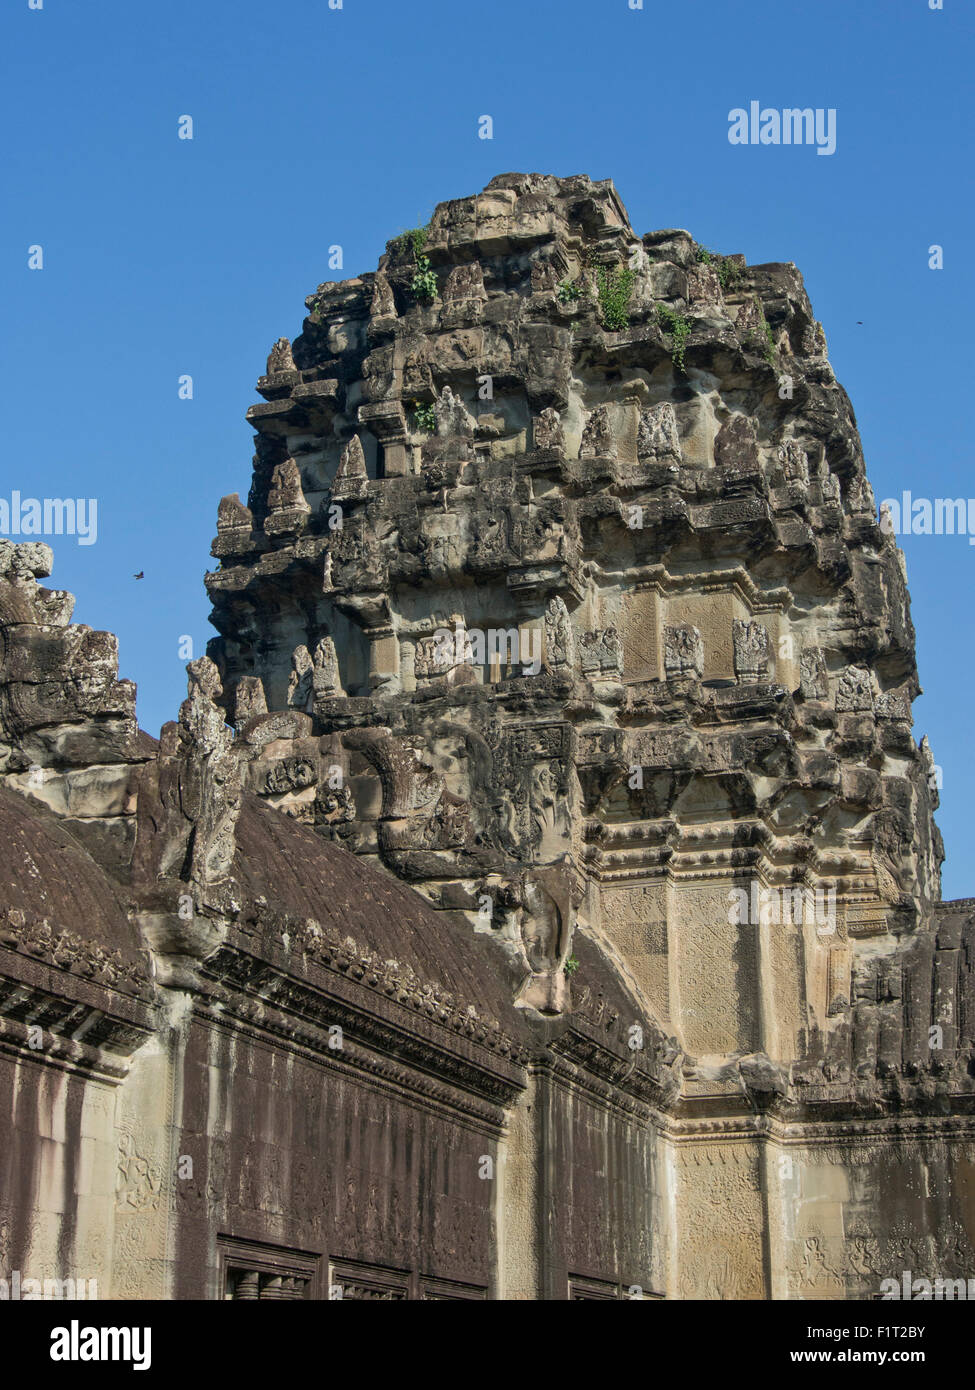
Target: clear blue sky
[315, 126]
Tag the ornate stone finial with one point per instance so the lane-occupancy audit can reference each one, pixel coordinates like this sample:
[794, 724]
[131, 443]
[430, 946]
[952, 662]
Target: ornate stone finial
[326, 681]
[287, 509]
[854, 694]
[683, 651]
[559, 643]
[280, 358]
[598, 440]
[753, 652]
[383, 305]
[813, 676]
[201, 721]
[249, 700]
[195, 826]
[611, 661]
[203, 679]
[235, 529]
[232, 515]
[601, 653]
[658, 437]
[351, 479]
[547, 432]
[301, 681]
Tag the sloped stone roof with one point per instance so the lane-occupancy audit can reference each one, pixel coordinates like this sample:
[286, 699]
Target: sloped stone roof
[305, 876]
[47, 877]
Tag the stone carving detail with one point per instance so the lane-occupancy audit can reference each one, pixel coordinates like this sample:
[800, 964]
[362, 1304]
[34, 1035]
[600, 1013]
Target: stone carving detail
[893, 704]
[302, 680]
[401, 983]
[249, 700]
[281, 358]
[189, 801]
[601, 653]
[454, 420]
[36, 937]
[335, 805]
[202, 726]
[813, 675]
[22, 563]
[542, 900]
[547, 432]
[464, 282]
[753, 651]
[559, 641]
[232, 515]
[138, 1180]
[703, 285]
[351, 479]
[287, 508]
[860, 498]
[683, 651]
[598, 440]
[658, 437]
[794, 462]
[383, 304]
[288, 775]
[830, 485]
[326, 681]
[734, 447]
[435, 656]
[854, 694]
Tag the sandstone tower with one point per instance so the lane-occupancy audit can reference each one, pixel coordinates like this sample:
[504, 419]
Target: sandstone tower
[559, 594]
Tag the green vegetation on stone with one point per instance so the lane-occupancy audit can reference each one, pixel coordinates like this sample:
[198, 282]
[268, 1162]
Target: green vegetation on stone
[614, 289]
[424, 417]
[679, 327]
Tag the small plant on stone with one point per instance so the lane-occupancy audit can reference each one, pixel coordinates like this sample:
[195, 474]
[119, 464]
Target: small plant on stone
[614, 289]
[679, 328]
[424, 282]
[727, 270]
[424, 417]
[729, 273]
[413, 240]
[571, 966]
[764, 335]
[570, 291]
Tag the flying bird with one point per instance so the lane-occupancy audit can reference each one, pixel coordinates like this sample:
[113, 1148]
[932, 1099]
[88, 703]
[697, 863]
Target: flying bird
[140, 575]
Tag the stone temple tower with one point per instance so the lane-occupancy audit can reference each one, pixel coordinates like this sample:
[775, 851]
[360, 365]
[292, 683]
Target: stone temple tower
[562, 579]
[537, 895]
